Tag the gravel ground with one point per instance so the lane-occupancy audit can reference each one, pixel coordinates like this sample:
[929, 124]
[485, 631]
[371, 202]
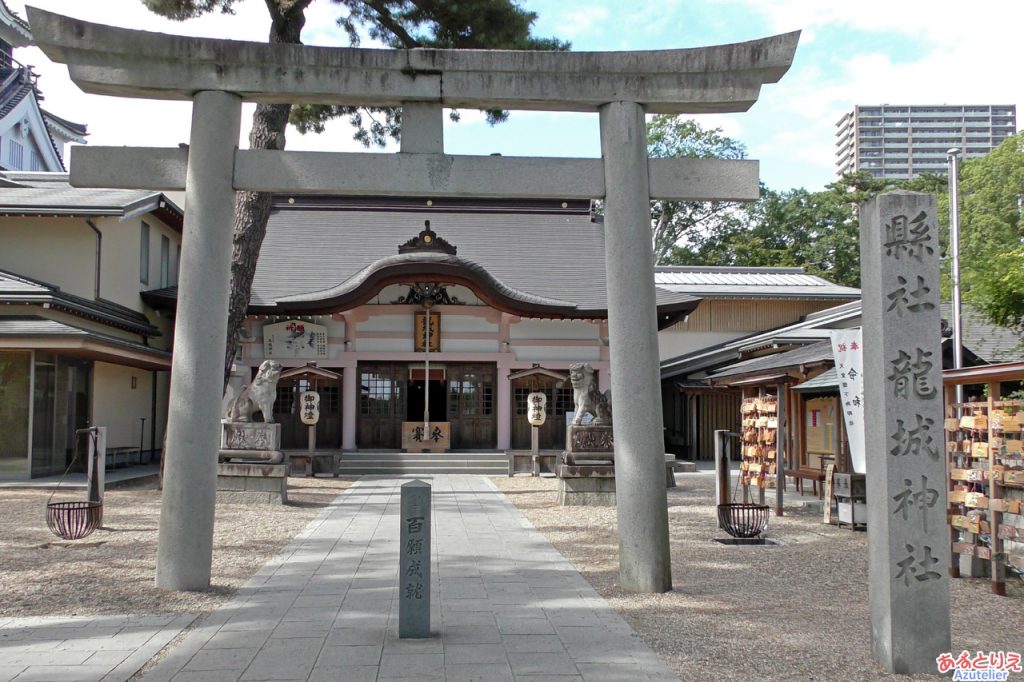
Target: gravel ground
[797, 611]
[112, 570]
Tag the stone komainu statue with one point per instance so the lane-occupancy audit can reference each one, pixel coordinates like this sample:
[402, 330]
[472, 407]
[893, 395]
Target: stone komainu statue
[587, 399]
[257, 396]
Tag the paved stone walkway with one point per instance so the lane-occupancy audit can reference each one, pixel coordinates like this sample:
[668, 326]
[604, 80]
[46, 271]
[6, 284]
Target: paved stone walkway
[506, 605]
[82, 648]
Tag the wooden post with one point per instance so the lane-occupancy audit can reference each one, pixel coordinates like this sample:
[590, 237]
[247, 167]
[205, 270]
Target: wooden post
[954, 558]
[995, 517]
[781, 447]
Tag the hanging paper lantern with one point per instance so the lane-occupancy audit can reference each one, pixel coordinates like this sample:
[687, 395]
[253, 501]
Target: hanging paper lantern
[309, 404]
[535, 404]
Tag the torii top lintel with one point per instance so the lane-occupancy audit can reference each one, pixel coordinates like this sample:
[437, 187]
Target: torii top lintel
[127, 63]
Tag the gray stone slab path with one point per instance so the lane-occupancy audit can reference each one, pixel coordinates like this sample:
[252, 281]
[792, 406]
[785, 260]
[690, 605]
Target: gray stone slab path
[83, 648]
[506, 605]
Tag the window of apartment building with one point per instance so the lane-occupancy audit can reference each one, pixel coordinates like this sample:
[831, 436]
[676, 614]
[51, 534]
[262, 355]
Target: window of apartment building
[165, 261]
[15, 154]
[144, 254]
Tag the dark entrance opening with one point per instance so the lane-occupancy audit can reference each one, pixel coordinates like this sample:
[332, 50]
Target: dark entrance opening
[418, 390]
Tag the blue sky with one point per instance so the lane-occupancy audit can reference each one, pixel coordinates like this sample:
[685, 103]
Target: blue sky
[865, 52]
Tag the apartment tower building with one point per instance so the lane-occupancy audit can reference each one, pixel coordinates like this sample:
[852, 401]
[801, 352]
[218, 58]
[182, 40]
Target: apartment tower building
[905, 141]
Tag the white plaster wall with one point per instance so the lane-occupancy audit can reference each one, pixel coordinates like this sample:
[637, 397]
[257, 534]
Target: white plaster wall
[389, 323]
[553, 329]
[385, 345]
[62, 251]
[469, 345]
[567, 353]
[675, 343]
[59, 251]
[119, 407]
[467, 323]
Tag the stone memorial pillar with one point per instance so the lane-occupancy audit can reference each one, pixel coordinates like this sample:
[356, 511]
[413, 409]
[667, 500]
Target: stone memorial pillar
[185, 548]
[908, 543]
[414, 562]
[644, 557]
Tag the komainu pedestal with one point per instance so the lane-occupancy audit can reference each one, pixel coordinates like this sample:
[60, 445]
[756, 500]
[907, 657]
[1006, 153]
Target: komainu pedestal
[250, 465]
[586, 468]
[250, 442]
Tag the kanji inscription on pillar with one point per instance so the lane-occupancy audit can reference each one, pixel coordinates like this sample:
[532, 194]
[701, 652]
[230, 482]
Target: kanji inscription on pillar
[414, 562]
[908, 545]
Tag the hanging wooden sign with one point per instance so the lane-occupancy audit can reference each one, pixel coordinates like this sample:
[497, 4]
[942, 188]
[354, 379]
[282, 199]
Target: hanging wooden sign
[420, 333]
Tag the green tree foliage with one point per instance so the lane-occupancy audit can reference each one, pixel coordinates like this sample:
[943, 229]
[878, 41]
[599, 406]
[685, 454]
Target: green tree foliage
[992, 233]
[464, 24]
[818, 231]
[398, 23]
[672, 221]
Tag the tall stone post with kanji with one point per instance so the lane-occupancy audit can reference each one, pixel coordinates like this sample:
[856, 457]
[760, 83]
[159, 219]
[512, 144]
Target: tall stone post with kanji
[908, 550]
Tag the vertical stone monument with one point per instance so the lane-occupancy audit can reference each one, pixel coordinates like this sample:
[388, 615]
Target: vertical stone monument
[908, 550]
[414, 562]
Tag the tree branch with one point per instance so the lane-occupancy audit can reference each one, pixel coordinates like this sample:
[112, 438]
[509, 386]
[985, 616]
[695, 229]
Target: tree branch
[388, 21]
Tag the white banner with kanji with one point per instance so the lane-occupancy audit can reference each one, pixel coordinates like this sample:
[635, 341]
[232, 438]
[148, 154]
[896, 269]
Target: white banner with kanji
[847, 349]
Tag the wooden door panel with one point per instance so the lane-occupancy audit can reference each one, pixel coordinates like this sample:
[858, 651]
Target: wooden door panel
[382, 405]
[471, 406]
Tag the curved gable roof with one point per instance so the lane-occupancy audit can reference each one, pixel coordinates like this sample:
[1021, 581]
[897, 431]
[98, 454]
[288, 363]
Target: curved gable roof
[535, 257]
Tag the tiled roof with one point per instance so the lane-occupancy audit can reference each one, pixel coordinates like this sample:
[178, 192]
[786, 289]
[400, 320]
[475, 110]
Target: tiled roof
[990, 342]
[35, 326]
[16, 289]
[79, 129]
[826, 382]
[545, 250]
[729, 281]
[813, 327]
[51, 194]
[804, 355]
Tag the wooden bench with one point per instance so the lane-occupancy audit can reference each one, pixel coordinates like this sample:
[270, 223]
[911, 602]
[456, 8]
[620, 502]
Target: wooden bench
[815, 476]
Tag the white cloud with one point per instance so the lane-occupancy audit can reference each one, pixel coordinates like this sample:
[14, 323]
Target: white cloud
[939, 52]
[137, 122]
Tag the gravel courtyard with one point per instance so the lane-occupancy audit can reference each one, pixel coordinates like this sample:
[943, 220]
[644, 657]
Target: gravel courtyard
[111, 571]
[796, 611]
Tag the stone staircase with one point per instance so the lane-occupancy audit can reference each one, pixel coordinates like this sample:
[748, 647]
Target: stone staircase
[402, 463]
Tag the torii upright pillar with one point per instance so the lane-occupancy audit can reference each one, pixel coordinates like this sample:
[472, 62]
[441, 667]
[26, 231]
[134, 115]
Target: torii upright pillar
[185, 549]
[644, 555]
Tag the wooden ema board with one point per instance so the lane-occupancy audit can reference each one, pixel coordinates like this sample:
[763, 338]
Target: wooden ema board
[984, 445]
[758, 442]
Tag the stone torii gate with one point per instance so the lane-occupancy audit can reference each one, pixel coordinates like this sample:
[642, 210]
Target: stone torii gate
[218, 75]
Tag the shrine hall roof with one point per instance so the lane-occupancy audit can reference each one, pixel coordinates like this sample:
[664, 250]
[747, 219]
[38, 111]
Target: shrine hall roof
[811, 354]
[749, 282]
[546, 257]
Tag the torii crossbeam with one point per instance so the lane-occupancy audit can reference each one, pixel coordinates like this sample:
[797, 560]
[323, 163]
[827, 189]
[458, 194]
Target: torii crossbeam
[218, 75]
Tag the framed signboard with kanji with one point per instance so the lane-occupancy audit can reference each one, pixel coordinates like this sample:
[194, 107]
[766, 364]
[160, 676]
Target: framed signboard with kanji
[434, 332]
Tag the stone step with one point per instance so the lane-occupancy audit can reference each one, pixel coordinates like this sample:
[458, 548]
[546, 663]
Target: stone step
[399, 463]
[399, 471]
[387, 464]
